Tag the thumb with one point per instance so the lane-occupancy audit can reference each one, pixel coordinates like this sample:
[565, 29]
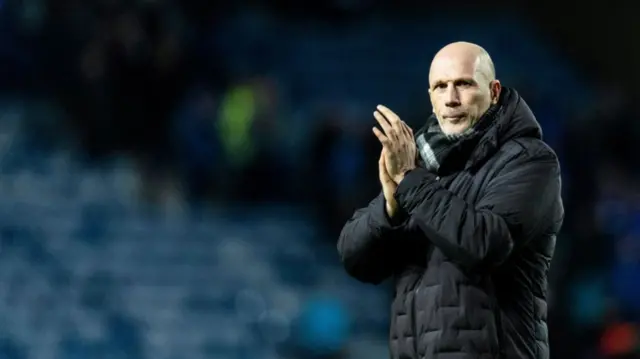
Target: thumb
[382, 169]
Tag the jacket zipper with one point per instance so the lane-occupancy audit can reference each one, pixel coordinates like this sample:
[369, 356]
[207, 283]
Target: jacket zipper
[498, 318]
[414, 324]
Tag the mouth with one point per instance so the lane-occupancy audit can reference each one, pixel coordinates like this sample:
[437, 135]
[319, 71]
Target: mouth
[454, 118]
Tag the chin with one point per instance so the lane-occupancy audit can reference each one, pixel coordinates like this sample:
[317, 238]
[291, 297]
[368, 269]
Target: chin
[454, 129]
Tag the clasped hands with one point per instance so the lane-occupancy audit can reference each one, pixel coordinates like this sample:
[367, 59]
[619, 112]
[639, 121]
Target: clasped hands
[398, 154]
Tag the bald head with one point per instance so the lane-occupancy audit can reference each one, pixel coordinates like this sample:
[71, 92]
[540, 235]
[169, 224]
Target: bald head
[462, 85]
[467, 54]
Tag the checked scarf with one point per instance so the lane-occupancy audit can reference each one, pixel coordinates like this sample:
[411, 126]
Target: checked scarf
[435, 147]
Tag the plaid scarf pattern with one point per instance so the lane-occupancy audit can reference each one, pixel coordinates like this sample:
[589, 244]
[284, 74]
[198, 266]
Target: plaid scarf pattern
[434, 146]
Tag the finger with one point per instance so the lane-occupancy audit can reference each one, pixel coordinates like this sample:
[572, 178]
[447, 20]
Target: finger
[407, 130]
[383, 122]
[384, 140]
[398, 128]
[393, 119]
[390, 115]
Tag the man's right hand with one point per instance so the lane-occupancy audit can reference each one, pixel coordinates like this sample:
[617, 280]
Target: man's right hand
[388, 187]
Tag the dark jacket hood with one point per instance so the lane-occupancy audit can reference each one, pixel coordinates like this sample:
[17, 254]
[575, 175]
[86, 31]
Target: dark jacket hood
[513, 119]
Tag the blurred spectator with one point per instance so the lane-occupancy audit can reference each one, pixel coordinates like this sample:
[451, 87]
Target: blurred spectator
[323, 329]
[199, 151]
[253, 131]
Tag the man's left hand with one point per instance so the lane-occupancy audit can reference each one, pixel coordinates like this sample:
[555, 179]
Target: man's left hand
[398, 141]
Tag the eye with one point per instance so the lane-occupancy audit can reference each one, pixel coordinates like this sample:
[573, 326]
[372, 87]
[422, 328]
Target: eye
[464, 83]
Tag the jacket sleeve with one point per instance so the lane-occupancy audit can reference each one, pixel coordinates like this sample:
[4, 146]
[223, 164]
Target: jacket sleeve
[366, 246]
[514, 205]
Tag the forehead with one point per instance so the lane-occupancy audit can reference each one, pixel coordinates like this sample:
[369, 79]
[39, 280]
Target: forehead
[448, 68]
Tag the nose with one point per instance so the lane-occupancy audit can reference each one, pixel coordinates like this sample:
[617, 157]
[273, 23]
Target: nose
[452, 97]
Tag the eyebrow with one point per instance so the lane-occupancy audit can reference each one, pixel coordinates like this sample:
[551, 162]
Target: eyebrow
[441, 82]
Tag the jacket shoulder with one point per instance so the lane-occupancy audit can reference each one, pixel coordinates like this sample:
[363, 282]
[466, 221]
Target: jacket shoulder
[527, 148]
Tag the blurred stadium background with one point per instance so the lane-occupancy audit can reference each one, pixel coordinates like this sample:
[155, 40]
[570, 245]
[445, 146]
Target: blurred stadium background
[174, 173]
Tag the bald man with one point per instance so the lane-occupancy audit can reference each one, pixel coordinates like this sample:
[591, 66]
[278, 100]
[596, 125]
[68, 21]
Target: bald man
[467, 219]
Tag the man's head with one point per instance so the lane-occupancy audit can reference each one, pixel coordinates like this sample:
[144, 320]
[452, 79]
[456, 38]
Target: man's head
[462, 86]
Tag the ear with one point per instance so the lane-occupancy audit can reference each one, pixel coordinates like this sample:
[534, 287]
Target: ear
[496, 88]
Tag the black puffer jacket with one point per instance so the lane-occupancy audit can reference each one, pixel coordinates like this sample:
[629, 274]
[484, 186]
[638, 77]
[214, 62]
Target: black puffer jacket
[470, 258]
